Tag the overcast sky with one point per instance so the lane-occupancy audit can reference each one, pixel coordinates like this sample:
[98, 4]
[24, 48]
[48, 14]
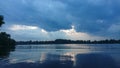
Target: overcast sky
[65, 19]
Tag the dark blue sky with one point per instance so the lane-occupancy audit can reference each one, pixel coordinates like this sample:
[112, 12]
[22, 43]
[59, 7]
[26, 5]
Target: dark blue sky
[70, 19]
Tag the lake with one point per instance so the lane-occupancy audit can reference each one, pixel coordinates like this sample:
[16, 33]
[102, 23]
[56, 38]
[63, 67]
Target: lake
[63, 56]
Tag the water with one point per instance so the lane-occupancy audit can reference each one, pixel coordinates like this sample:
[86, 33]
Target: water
[63, 56]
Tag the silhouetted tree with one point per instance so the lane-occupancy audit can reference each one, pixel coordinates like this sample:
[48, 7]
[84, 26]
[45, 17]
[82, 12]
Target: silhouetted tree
[6, 43]
[1, 20]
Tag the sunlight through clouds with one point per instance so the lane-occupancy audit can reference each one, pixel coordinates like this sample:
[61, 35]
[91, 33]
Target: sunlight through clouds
[74, 35]
[37, 33]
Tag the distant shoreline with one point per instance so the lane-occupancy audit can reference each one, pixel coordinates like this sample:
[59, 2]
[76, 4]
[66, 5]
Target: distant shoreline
[65, 41]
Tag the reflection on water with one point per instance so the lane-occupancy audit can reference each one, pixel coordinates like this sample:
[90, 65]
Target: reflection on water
[5, 51]
[64, 56]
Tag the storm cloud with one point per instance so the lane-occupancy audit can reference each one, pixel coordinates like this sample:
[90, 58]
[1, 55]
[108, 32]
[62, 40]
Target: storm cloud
[93, 17]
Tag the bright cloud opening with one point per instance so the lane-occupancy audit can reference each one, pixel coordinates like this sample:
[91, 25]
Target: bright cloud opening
[73, 34]
[22, 27]
[37, 33]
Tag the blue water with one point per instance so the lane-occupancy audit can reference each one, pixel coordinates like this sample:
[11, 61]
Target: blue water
[63, 56]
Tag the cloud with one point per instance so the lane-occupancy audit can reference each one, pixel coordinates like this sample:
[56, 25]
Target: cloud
[94, 17]
[22, 27]
[114, 31]
[115, 28]
[25, 32]
[79, 35]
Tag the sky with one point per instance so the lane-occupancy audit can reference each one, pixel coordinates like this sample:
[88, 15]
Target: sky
[61, 19]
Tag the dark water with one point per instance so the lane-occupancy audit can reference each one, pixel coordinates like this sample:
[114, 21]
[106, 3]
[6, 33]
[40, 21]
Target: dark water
[63, 56]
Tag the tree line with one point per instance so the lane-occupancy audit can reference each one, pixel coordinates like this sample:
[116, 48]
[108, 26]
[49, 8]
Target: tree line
[65, 41]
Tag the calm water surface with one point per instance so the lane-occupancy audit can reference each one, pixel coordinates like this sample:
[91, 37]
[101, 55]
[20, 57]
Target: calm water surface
[63, 56]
